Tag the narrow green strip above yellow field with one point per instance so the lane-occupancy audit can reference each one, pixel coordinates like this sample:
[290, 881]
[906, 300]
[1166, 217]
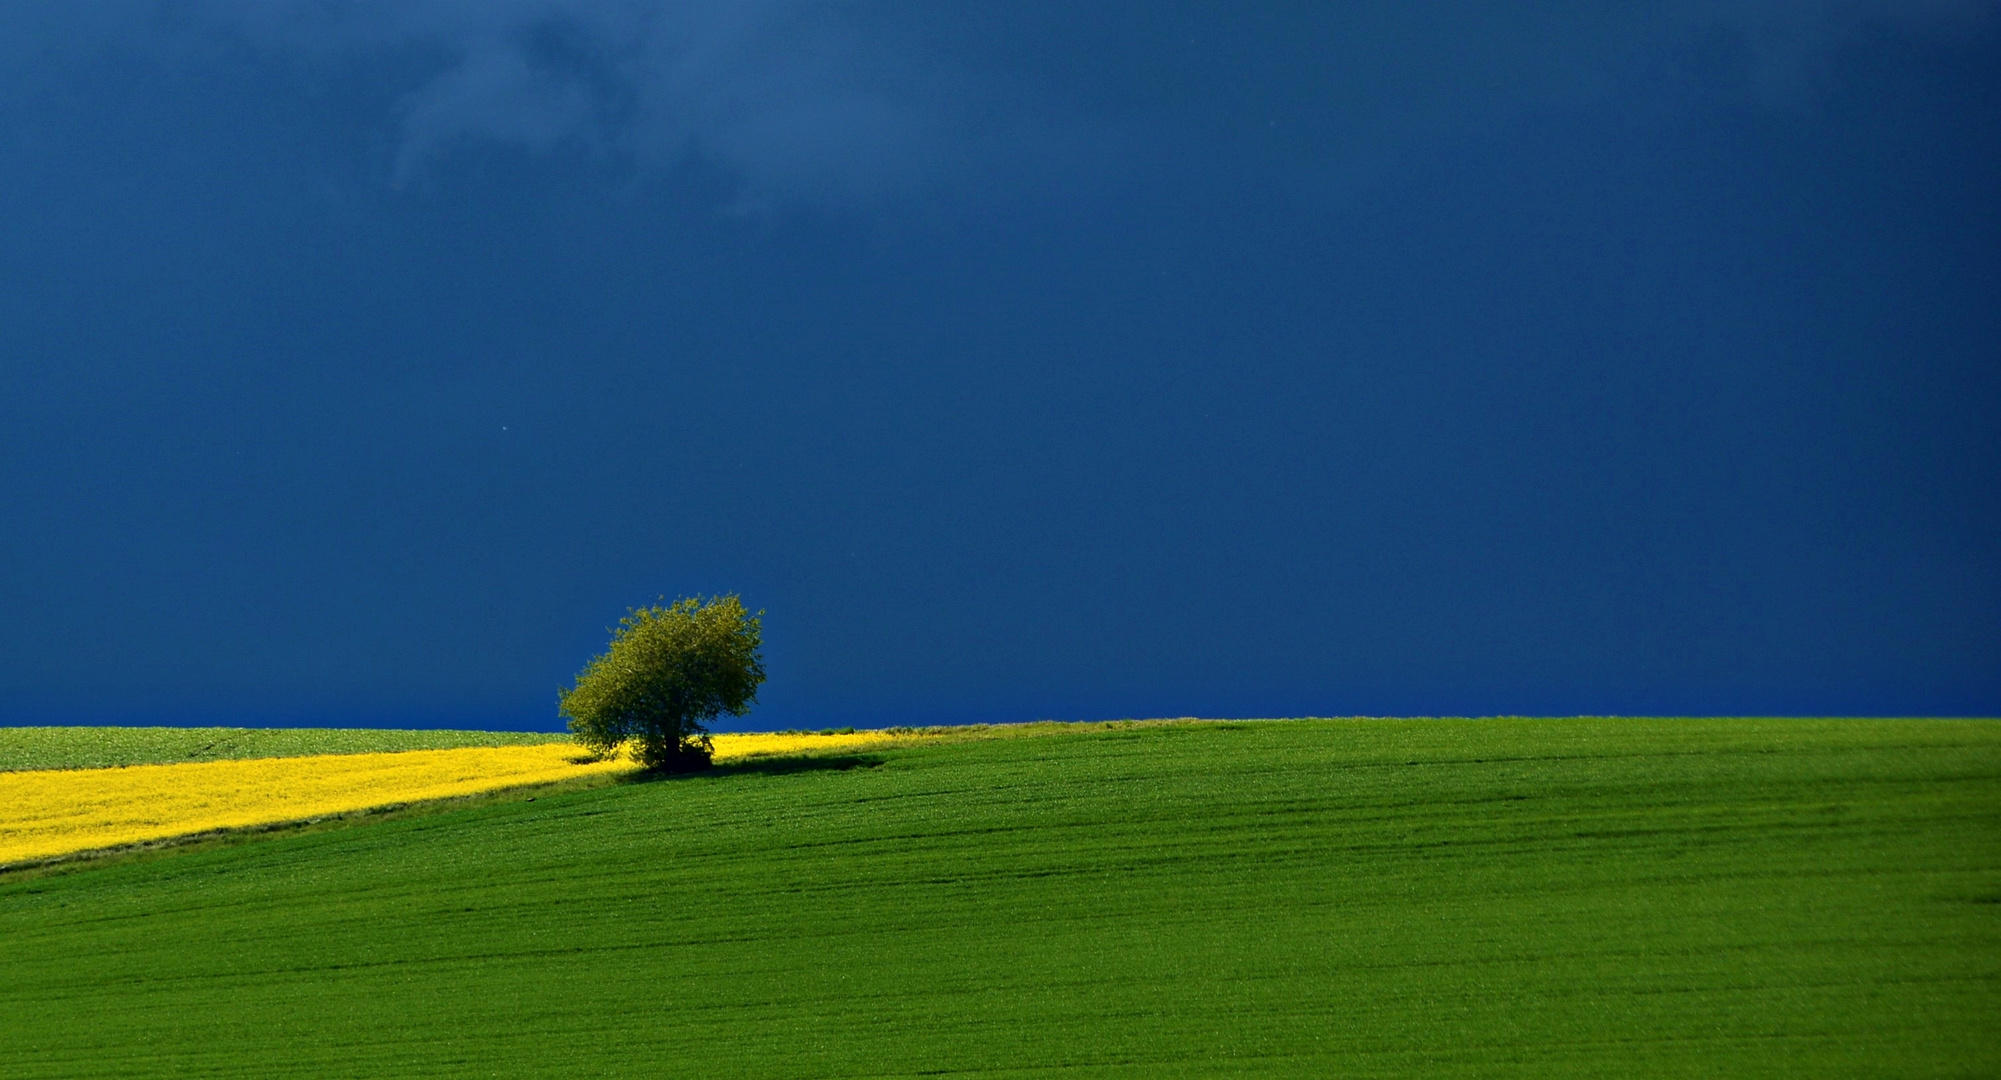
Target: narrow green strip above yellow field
[50, 813]
[104, 747]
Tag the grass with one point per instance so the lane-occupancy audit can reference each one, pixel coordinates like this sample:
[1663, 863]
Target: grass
[1354, 898]
[104, 747]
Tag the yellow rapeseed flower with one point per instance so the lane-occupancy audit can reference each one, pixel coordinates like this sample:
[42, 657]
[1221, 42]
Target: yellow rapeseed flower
[48, 813]
[760, 744]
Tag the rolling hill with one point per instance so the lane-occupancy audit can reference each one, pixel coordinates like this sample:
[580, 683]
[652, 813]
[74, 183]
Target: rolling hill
[1342, 897]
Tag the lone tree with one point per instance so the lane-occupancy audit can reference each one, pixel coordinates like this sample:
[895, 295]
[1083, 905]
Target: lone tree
[668, 673]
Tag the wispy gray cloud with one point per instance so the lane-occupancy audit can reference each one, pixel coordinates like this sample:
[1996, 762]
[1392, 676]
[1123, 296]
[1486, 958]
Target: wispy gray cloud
[806, 101]
[780, 92]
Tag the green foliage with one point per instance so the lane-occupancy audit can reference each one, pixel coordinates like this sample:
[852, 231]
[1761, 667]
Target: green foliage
[104, 747]
[669, 673]
[1368, 898]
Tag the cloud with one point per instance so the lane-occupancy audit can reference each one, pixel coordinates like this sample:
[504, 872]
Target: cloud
[777, 92]
[803, 101]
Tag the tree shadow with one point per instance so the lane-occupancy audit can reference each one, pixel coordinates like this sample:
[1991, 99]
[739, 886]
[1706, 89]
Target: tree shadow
[768, 766]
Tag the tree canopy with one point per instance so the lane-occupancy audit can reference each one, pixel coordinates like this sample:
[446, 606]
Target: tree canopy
[669, 672]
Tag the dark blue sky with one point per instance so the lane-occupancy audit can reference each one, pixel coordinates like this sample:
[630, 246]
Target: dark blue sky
[361, 363]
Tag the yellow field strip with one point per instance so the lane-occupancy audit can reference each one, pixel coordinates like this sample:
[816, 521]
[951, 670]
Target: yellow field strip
[49, 813]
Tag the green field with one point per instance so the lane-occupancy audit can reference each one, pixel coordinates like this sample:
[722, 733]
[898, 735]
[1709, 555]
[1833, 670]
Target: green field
[1717, 898]
[103, 747]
